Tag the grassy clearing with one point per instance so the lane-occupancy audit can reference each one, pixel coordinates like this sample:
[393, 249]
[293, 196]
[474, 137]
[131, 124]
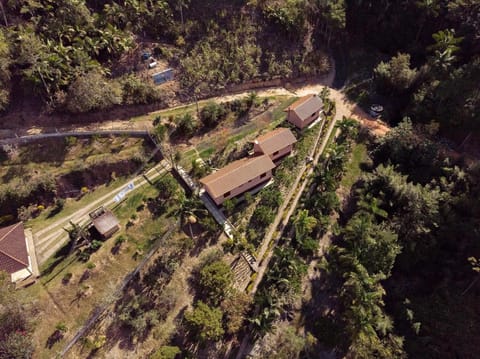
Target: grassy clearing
[72, 302]
[72, 205]
[279, 114]
[67, 156]
[354, 167]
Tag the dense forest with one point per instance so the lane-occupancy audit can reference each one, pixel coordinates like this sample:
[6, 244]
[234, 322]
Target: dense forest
[401, 276]
[418, 58]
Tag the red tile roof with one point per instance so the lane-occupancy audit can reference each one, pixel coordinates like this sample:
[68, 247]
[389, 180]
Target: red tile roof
[275, 140]
[13, 248]
[237, 173]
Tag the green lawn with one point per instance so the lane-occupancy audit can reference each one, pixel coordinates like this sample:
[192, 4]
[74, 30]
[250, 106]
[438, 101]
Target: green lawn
[72, 205]
[354, 170]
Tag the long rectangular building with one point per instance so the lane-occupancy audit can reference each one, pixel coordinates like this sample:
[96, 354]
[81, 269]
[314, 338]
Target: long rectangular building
[238, 177]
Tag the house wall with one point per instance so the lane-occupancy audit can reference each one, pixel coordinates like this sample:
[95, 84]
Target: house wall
[21, 274]
[283, 152]
[241, 189]
[294, 119]
[111, 232]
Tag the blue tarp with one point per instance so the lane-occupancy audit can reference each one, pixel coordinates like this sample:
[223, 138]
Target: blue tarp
[162, 77]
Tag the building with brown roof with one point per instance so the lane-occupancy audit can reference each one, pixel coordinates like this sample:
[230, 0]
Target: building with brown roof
[14, 252]
[304, 111]
[276, 144]
[238, 177]
[105, 222]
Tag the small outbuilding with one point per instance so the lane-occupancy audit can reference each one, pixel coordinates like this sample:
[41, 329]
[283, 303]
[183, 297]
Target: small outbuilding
[105, 222]
[276, 144]
[15, 253]
[305, 111]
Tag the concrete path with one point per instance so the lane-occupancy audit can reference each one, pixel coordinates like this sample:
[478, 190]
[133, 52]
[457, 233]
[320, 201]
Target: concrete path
[227, 227]
[32, 253]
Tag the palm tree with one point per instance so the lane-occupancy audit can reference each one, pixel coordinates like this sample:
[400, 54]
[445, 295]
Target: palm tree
[444, 49]
[429, 8]
[189, 210]
[304, 225]
[180, 5]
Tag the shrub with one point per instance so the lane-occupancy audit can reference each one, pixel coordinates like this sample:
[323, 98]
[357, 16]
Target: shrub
[84, 256]
[120, 240]
[186, 125]
[71, 140]
[92, 91]
[160, 132]
[215, 280]
[61, 327]
[95, 245]
[66, 277]
[137, 91]
[263, 216]
[204, 322]
[166, 352]
[59, 204]
[212, 114]
[91, 265]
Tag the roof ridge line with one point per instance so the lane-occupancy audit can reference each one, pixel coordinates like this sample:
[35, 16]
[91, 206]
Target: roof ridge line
[10, 231]
[245, 159]
[12, 257]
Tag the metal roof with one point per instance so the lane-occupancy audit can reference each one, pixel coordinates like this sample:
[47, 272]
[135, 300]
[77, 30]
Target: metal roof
[275, 140]
[306, 106]
[236, 174]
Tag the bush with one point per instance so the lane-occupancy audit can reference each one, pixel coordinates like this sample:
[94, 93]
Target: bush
[16, 344]
[95, 245]
[263, 216]
[138, 91]
[215, 280]
[204, 322]
[84, 256]
[166, 352]
[160, 132]
[186, 125]
[92, 91]
[212, 114]
[66, 277]
[120, 240]
[71, 140]
[167, 187]
[59, 204]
